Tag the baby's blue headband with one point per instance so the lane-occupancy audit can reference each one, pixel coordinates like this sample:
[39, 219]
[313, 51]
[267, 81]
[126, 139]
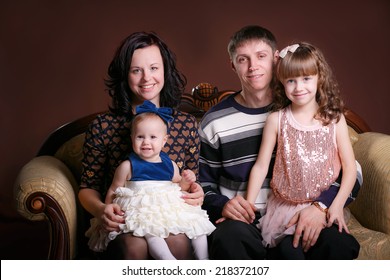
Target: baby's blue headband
[148, 107]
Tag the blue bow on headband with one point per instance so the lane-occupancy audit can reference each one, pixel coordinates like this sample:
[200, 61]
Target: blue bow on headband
[148, 107]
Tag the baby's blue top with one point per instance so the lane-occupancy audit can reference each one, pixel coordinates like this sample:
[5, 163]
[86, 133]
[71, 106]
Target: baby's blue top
[145, 171]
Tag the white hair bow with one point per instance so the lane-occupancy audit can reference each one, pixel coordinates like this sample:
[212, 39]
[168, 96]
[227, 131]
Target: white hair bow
[291, 49]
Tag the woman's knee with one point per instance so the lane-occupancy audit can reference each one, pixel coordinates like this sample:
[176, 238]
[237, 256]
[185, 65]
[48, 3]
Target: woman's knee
[180, 246]
[128, 247]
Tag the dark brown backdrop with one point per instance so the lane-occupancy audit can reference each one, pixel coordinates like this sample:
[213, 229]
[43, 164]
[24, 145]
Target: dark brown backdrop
[54, 56]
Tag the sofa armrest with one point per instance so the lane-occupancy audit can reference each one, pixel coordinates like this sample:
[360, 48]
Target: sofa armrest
[372, 206]
[374, 245]
[44, 189]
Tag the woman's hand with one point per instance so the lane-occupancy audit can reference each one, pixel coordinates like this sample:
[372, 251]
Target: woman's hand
[111, 217]
[195, 195]
[108, 215]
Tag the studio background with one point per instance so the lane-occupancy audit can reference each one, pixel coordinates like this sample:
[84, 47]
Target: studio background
[54, 57]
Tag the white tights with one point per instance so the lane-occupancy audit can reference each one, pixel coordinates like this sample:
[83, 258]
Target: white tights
[159, 249]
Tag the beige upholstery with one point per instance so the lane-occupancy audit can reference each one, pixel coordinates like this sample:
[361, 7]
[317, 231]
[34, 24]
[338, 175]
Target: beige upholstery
[372, 206]
[46, 187]
[43, 179]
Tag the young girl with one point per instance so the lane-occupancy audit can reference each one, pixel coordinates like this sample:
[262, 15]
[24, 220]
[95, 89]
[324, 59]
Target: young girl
[311, 134]
[147, 187]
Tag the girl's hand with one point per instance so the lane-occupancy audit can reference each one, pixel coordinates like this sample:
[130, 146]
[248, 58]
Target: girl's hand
[111, 217]
[195, 195]
[189, 176]
[336, 215]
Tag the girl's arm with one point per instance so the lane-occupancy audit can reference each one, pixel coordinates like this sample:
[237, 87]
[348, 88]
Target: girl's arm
[188, 177]
[260, 168]
[185, 180]
[176, 173]
[122, 173]
[348, 166]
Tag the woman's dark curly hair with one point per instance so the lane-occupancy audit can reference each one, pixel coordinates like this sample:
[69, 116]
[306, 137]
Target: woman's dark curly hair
[305, 61]
[117, 81]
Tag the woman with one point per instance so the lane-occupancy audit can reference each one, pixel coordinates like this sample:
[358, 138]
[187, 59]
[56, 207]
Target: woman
[143, 68]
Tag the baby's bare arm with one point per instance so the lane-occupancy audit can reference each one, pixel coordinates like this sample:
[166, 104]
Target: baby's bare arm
[187, 178]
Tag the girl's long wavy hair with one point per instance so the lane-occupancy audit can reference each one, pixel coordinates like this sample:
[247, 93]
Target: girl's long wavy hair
[305, 61]
[117, 81]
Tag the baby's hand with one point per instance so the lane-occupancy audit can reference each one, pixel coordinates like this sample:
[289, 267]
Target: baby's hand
[188, 176]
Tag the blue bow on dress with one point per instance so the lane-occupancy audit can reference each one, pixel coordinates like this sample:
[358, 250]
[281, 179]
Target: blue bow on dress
[148, 107]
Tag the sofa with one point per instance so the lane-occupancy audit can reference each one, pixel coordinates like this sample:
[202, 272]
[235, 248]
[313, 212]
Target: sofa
[46, 187]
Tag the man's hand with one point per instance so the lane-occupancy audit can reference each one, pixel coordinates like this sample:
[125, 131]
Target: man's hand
[239, 209]
[309, 223]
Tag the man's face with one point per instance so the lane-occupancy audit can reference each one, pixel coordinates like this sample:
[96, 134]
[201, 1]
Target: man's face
[253, 62]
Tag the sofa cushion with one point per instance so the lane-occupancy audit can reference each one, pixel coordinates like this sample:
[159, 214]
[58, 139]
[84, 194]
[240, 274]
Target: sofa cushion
[373, 244]
[372, 205]
[71, 153]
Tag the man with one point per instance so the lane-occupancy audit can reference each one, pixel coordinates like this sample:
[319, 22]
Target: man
[230, 135]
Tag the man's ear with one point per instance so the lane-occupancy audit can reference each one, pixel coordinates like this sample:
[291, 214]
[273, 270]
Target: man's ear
[233, 67]
[276, 56]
